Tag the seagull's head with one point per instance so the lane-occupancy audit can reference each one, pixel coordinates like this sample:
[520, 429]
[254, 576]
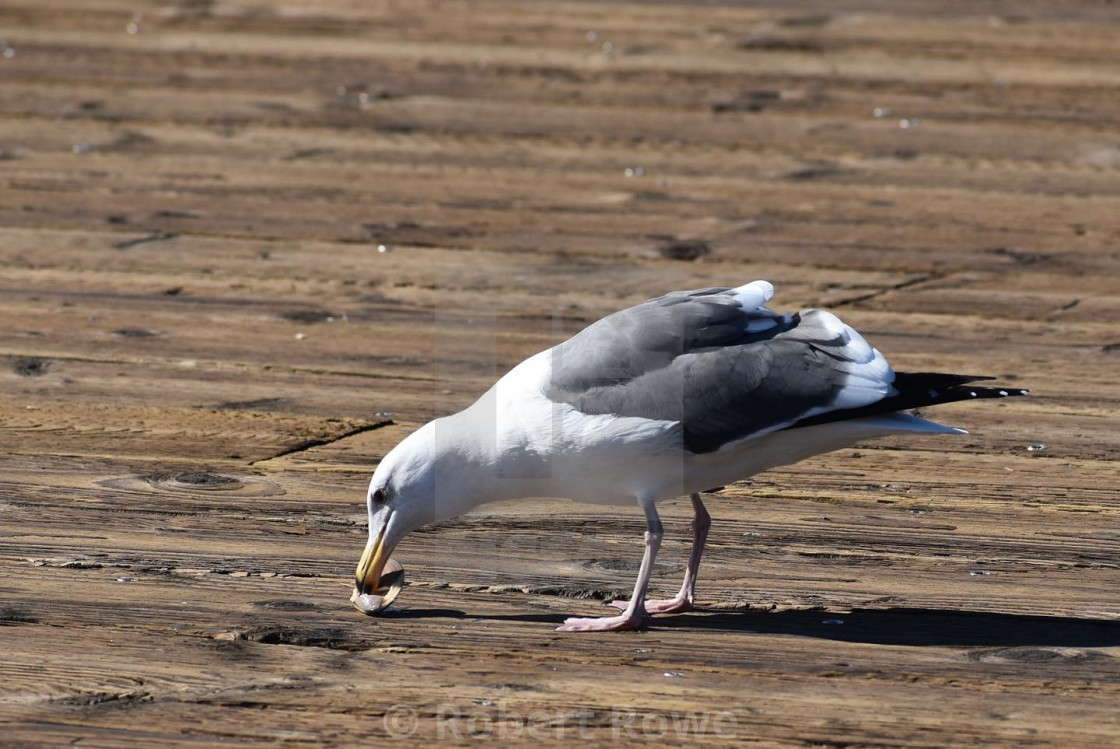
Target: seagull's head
[422, 480]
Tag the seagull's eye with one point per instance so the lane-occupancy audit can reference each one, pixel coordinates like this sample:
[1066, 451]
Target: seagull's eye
[378, 496]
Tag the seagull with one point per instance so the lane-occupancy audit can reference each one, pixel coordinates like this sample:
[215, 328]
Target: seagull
[688, 391]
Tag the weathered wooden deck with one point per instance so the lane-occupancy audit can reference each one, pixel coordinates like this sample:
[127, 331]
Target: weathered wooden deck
[264, 240]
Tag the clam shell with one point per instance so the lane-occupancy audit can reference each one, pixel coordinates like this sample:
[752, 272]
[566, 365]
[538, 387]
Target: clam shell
[388, 587]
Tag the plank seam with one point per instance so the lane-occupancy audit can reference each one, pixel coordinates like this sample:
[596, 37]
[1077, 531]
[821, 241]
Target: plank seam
[319, 442]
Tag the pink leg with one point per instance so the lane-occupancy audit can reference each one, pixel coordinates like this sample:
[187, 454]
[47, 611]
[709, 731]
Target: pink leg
[634, 614]
[701, 523]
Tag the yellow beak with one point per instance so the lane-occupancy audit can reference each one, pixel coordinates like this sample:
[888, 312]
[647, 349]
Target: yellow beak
[372, 563]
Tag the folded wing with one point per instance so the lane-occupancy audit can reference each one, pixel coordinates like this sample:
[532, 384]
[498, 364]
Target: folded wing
[721, 364]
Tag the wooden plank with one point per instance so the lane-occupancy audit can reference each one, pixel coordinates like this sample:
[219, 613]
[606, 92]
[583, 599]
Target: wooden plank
[245, 248]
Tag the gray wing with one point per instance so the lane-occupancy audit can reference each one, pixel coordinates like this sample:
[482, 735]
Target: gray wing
[723, 367]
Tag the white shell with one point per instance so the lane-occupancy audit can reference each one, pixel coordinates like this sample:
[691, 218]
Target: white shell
[389, 586]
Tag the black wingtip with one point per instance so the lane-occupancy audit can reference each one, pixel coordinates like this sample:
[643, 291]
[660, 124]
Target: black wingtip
[962, 393]
[918, 390]
[937, 380]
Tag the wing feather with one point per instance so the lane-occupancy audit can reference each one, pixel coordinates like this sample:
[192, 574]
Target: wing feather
[720, 363]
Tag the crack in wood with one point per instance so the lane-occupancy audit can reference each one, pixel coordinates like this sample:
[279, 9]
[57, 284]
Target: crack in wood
[159, 236]
[887, 290]
[320, 441]
[330, 638]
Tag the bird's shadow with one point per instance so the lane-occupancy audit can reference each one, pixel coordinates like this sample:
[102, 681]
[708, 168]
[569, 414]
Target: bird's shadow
[914, 627]
[892, 626]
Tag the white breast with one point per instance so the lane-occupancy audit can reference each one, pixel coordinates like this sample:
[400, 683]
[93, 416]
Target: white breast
[545, 449]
